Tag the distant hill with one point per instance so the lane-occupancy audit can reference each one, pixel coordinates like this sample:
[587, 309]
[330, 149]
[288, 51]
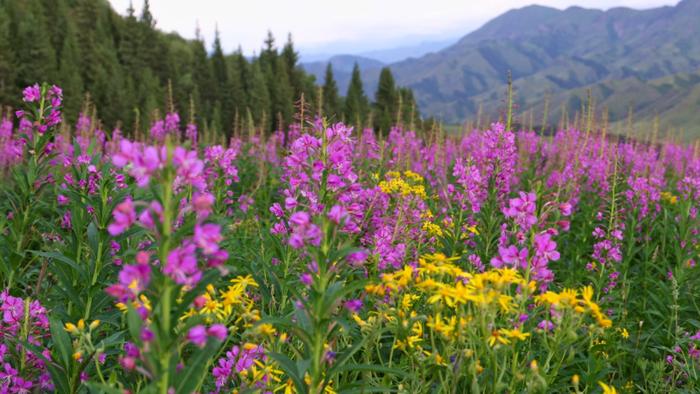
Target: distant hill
[342, 70]
[397, 54]
[649, 59]
[623, 55]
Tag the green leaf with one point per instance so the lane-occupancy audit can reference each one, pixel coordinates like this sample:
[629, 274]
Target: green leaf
[103, 388]
[290, 368]
[134, 322]
[61, 341]
[93, 238]
[189, 380]
[371, 368]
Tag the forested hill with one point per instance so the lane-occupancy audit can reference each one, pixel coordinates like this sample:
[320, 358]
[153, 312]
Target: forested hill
[131, 72]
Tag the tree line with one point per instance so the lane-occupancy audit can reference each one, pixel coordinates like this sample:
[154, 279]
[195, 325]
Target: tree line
[129, 72]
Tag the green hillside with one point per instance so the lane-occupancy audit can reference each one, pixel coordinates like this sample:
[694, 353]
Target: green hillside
[647, 58]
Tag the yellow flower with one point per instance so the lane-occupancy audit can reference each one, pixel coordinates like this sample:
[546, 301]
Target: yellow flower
[534, 366]
[432, 229]
[287, 387]
[473, 230]
[568, 296]
[446, 328]
[232, 296]
[211, 306]
[71, 328]
[496, 338]
[81, 324]
[244, 281]
[514, 334]
[77, 356]
[625, 334]
[266, 329]
[407, 301]
[478, 367]
[607, 389]
[605, 322]
[549, 297]
[575, 380]
[94, 324]
[668, 196]
[587, 294]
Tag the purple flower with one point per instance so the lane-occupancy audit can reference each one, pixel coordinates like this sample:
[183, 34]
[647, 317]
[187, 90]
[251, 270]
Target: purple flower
[523, 210]
[218, 331]
[197, 335]
[124, 216]
[189, 168]
[207, 237]
[181, 265]
[337, 214]
[31, 93]
[303, 230]
[510, 256]
[353, 305]
[306, 279]
[133, 279]
[146, 334]
[545, 247]
[12, 310]
[202, 204]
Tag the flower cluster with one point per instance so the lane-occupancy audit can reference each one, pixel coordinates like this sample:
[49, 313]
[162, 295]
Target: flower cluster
[21, 370]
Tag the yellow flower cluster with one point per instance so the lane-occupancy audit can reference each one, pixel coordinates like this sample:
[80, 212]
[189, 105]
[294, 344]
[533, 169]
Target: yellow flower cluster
[141, 301]
[438, 300]
[432, 229]
[410, 184]
[669, 197]
[232, 305]
[568, 298]
[82, 334]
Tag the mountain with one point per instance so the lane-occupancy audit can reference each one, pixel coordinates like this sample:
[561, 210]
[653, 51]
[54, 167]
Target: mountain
[620, 53]
[397, 54]
[342, 70]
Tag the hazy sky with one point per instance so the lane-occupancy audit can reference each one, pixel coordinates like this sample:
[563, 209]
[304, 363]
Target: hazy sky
[341, 26]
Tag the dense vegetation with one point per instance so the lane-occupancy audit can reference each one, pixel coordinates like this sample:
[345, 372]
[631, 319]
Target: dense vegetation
[323, 259]
[178, 221]
[122, 70]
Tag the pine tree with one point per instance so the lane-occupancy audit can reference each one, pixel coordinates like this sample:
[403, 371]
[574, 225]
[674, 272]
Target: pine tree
[282, 100]
[7, 68]
[56, 13]
[235, 93]
[221, 94]
[218, 63]
[259, 96]
[296, 75]
[69, 75]
[268, 55]
[331, 99]
[356, 102]
[35, 58]
[203, 78]
[146, 16]
[386, 100]
[131, 43]
[409, 108]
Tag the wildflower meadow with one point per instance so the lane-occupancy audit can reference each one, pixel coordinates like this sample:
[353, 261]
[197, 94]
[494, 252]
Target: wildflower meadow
[323, 258]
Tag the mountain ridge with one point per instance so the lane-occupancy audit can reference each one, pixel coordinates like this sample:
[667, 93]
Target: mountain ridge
[551, 52]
